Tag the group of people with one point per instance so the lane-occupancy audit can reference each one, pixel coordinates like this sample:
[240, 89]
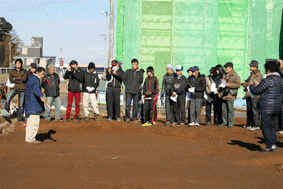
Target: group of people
[219, 89]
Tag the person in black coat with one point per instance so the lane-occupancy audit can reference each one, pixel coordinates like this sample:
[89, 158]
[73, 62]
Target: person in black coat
[197, 86]
[218, 101]
[178, 88]
[270, 90]
[75, 76]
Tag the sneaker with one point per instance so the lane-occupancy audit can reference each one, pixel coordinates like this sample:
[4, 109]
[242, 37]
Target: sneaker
[167, 123]
[149, 124]
[34, 142]
[109, 119]
[191, 124]
[61, 119]
[146, 124]
[208, 123]
[182, 124]
[196, 124]
[118, 120]
[154, 123]
[128, 120]
[78, 119]
[49, 120]
[249, 127]
[86, 119]
[68, 119]
[254, 128]
[245, 126]
[271, 149]
[136, 121]
[173, 124]
[280, 132]
[222, 125]
[230, 126]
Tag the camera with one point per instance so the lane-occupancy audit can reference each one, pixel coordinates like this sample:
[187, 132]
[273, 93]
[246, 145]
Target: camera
[72, 69]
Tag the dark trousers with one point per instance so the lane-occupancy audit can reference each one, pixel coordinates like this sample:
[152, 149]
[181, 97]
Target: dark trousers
[189, 113]
[228, 112]
[129, 98]
[280, 122]
[169, 109]
[268, 126]
[195, 110]
[252, 112]
[217, 110]
[148, 110]
[208, 106]
[179, 108]
[113, 102]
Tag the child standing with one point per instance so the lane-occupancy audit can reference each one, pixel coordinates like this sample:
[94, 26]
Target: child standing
[150, 90]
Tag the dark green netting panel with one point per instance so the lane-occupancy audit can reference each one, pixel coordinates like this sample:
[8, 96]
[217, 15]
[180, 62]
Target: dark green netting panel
[198, 32]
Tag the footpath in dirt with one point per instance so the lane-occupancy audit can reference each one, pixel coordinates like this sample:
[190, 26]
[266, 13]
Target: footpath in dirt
[91, 154]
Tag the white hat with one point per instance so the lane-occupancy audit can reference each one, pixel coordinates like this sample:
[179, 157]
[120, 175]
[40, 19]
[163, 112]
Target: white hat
[170, 66]
[178, 68]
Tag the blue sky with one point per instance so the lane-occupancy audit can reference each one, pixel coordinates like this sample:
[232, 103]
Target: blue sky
[74, 26]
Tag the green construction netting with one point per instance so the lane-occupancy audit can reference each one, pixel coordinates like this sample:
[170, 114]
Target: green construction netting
[198, 32]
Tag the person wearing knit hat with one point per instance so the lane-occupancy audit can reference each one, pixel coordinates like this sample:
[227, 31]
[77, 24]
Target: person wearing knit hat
[90, 84]
[167, 92]
[114, 83]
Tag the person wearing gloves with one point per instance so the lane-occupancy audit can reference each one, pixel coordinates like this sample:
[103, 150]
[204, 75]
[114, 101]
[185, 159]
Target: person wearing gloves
[197, 86]
[270, 90]
[75, 76]
[150, 90]
[210, 89]
[178, 88]
[51, 86]
[34, 105]
[166, 90]
[228, 95]
[252, 101]
[90, 84]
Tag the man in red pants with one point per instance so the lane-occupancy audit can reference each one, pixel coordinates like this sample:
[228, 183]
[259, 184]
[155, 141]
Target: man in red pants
[75, 76]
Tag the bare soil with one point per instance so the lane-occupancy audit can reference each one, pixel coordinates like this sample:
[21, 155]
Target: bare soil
[90, 154]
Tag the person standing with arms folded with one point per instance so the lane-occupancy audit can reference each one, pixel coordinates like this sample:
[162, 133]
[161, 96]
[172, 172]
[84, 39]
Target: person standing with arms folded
[90, 84]
[233, 83]
[75, 76]
[197, 86]
[34, 105]
[178, 88]
[114, 76]
[252, 101]
[18, 76]
[133, 79]
[166, 90]
[50, 84]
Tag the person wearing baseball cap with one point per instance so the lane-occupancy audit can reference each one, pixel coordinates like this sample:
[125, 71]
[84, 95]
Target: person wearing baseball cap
[179, 86]
[32, 69]
[114, 76]
[197, 86]
[252, 101]
[228, 95]
[167, 92]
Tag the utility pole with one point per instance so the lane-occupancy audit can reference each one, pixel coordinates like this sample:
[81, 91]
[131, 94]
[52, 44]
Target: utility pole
[111, 32]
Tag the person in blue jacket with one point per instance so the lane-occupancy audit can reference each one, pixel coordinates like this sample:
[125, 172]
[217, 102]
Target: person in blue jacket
[34, 105]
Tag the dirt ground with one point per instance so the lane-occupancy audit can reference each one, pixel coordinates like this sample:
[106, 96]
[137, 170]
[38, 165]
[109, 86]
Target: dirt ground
[100, 154]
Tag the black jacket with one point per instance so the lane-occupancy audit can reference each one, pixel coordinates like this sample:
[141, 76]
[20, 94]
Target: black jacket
[133, 79]
[51, 85]
[115, 80]
[75, 80]
[166, 83]
[179, 85]
[90, 79]
[270, 94]
[200, 86]
[150, 87]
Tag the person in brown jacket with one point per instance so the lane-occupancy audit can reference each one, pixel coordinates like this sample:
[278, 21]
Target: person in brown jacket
[18, 76]
[252, 101]
[228, 95]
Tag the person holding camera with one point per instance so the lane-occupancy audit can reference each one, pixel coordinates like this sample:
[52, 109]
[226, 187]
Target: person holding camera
[232, 82]
[197, 86]
[252, 101]
[114, 81]
[75, 76]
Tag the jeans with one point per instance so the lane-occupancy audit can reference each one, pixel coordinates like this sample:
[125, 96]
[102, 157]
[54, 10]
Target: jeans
[195, 110]
[129, 98]
[208, 106]
[169, 109]
[57, 103]
[228, 112]
[20, 108]
[268, 126]
[252, 112]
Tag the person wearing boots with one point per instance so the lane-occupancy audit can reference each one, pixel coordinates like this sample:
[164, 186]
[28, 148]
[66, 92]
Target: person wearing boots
[178, 88]
[166, 90]
[197, 86]
[252, 101]
[150, 91]
[114, 81]
[90, 84]
[228, 95]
